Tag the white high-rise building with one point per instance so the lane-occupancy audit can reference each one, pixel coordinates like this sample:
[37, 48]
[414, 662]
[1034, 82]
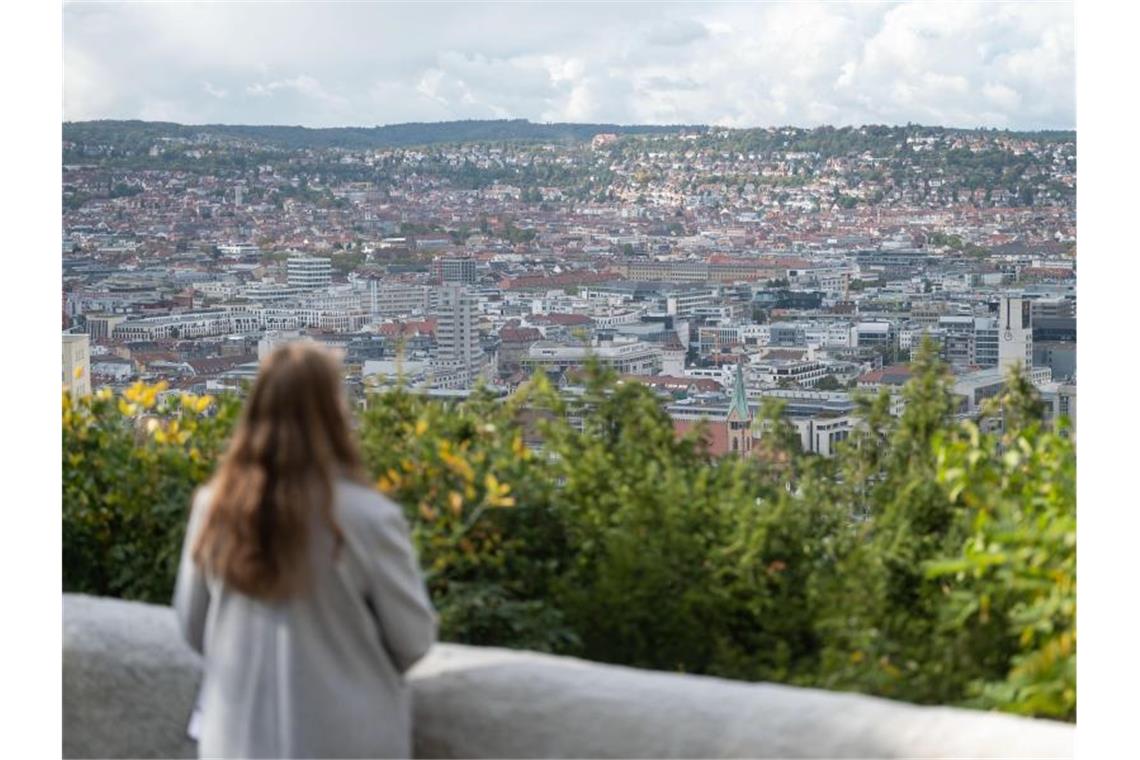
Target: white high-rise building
[1015, 333]
[459, 359]
[309, 272]
[77, 364]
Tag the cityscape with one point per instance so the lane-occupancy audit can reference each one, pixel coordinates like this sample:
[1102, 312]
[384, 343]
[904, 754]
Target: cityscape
[710, 264]
[630, 379]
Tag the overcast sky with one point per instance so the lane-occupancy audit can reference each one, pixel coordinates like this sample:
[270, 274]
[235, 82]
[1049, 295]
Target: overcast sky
[733, 64]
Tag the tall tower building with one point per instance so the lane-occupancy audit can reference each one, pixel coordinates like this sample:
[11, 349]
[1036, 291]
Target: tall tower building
[77, 364]
[459, 359]
[1015, 333]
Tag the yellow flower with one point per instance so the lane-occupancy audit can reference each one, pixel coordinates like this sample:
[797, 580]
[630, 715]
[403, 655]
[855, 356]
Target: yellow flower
[134, 393]
[497, 492]
[456, 464]
[455, 500]
[389, 482]
[127, 410]
[203, 404]
[78, 373]
[421, 426]
[491, 483]
[103, 393]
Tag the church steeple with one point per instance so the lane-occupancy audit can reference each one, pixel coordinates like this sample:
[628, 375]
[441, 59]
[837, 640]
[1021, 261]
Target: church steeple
[739, 417]
[739, 406]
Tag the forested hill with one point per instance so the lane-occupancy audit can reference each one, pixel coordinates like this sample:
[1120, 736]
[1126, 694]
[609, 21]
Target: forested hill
[129, 136]
[123, 133]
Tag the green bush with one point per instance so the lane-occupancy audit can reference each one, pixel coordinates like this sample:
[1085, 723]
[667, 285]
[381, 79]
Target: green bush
[130, 467]
[926, 561]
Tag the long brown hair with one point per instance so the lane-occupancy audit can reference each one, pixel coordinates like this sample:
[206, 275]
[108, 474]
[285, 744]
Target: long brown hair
[293, 440]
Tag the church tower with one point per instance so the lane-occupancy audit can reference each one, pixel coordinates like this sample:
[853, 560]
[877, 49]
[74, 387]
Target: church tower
[739, 416]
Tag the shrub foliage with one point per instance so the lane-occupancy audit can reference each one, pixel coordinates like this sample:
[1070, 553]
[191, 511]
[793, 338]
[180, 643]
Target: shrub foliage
[931, 560]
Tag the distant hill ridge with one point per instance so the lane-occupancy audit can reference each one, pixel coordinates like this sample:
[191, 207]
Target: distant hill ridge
[428, 133]
[389, 136]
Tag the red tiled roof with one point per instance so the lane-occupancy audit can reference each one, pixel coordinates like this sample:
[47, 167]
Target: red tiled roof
[411, 327]
[566, 320]
[519, 334]
[896, 374]
[219, 364]
[671, 382]
[555, 280]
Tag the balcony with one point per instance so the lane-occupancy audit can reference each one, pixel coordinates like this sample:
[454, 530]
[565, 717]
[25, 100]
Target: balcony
[129, 684]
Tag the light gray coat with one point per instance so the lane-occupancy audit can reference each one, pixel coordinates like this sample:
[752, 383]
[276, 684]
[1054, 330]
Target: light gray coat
[320, 675]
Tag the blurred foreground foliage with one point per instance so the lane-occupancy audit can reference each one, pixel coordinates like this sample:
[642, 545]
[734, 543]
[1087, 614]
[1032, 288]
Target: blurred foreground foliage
[930, 560]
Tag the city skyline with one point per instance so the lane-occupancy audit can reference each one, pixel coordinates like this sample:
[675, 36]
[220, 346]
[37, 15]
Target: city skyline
[722, 64]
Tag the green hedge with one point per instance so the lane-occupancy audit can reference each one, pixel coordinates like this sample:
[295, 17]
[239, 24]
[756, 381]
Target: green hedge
[928, 561]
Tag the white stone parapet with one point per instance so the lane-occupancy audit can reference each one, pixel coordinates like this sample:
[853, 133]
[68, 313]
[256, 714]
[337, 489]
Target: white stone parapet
[129, 685]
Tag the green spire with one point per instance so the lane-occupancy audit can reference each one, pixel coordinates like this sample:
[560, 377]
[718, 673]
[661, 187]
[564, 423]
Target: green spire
[739, 397]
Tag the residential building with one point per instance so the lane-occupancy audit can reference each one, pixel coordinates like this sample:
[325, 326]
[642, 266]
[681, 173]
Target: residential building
[458, 359]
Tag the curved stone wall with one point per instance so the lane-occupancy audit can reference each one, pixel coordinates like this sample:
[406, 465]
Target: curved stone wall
[129, 685]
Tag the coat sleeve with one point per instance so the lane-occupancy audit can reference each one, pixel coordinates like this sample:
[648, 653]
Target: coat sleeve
[397, 592]
[191, 595]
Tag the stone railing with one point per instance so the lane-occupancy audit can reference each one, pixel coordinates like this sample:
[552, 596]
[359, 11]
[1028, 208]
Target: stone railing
[129, 684]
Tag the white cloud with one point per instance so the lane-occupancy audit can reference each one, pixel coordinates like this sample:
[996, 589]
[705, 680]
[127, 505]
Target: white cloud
[215, 92]
[89, 91]
[959, 64]
[676, 32]
[1001, 96]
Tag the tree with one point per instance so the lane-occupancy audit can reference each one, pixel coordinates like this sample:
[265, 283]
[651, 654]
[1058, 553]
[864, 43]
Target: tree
[927, 560]
[828, 383]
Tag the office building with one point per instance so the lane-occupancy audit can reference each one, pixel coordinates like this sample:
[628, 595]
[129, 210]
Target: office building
[309, 272]
[1015, 324]
[102, 326]
[451, 270]
[628, 357]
